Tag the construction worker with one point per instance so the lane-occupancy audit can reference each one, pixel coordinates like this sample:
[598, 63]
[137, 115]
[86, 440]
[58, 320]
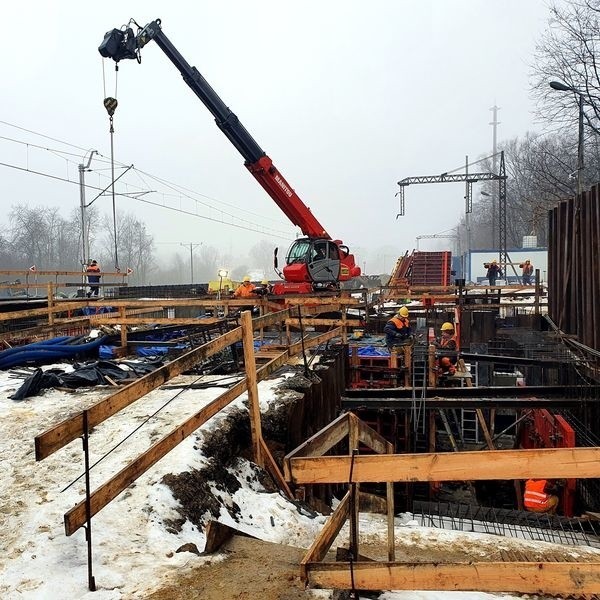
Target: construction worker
[397, 330]
[263, 289]
[539, 497]
[448, 337]
[245, 289]
[493, 272]
[448, 344]
[93, 275]
[527, 272]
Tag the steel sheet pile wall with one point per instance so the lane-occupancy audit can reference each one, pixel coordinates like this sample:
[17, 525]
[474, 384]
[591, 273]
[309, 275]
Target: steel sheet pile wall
[574, 278]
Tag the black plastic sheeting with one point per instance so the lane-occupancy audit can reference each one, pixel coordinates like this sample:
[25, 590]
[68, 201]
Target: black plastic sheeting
[84, 375]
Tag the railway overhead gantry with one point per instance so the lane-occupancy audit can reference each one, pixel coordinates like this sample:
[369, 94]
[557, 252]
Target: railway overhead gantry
[469, 179]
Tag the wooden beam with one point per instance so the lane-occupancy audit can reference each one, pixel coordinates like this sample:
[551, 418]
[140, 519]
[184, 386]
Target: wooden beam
[251, 384]
[546, 463]
[311, 341]
[369, 437]
[310, 321]
[70, 429]
[274, 470]
[76, 517]
[326, 537]
[517, 577]
[320, 442]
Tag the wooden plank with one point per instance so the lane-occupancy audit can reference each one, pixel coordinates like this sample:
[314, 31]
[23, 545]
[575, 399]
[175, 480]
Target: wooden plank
[320, 442]
[369, 437]
[484, 428]
[219, 533]
[310, 341]
[311, 321]
[326, 537]
[36, 273]
[97, 319]
[251, 384]
[545, 463]
[76, 517]
[70, 429]
[517, 577]
[274, 470]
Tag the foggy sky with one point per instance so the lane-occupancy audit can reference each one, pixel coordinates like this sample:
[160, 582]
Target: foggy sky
[346, 97]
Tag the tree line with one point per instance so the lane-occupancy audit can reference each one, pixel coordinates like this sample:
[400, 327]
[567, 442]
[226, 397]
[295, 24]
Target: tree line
[43, 237]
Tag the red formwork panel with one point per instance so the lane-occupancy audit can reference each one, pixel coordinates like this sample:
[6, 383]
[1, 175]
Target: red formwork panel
[431, 268]
[544, 429]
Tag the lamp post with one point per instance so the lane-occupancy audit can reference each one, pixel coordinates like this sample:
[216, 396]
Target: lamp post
[221, 273]
[562, 87]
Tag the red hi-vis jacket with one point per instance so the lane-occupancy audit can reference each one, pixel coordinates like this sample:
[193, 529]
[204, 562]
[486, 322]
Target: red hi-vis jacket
[535, 495]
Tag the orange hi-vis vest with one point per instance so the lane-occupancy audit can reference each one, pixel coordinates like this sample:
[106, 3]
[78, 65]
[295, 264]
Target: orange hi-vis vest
[400, 322]
[535, 496]
[447, 343]
[245, 291]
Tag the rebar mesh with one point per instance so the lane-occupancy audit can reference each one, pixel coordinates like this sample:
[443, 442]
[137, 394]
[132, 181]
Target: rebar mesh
[507, 522]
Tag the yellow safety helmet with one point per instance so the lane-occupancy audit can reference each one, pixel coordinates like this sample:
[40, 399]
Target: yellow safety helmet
[265, 282]
[403, 312]
[247, 278]
[447, 326]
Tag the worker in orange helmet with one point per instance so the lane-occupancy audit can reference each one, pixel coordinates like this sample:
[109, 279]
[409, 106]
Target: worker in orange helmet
[448, 344]
[397, 330]
[540, 495]
[245, 289]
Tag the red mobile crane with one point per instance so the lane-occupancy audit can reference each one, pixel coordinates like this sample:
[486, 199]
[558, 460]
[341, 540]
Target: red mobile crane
[314, 262]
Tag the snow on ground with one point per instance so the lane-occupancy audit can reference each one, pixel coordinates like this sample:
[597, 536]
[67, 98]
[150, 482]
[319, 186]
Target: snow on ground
[134, 549]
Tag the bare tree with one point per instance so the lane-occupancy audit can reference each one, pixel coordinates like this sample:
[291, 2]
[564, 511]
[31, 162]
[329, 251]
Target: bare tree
[262, 257]
[135, 246]
[568, 51]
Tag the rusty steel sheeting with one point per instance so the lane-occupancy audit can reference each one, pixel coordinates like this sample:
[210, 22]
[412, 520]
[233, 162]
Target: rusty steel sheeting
[573, 274]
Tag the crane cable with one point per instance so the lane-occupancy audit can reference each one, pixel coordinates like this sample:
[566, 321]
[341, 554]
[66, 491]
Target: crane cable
[110, 104]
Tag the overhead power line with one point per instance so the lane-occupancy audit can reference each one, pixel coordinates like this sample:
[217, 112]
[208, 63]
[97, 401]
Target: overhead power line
[180, 191]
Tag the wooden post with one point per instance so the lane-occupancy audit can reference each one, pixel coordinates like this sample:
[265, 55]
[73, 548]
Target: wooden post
[432, 374]
[344, 325]
[407, 365]
[394, 365]
[536, 309]
[123, 327]
[353, 442]
[253, 404]
[50, 292]
[390, 513]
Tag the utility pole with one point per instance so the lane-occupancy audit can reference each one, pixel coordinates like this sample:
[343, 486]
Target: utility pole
[192, 247]
[494, 123]
[85, 242]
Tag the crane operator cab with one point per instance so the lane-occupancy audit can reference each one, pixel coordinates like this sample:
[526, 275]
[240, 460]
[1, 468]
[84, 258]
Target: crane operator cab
[316, 264]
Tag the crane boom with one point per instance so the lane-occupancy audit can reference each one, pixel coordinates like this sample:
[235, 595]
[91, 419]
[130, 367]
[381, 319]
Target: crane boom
[313, 263]
[255, 158]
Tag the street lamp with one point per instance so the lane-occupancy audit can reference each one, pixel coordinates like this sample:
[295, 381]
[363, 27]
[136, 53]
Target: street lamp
[562, 87]
[221, 273]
